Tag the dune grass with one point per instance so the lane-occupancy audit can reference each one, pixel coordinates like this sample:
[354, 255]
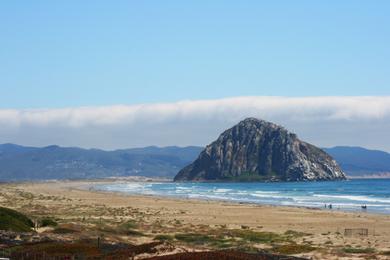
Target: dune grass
[164, 237]
[292, 249]
[48, 222]
[194, 238]
[12, 220]
[385, 253]
[257, 237]
[355, 250]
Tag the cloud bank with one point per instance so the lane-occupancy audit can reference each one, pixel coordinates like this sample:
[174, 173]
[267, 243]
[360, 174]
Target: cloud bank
[324, 121]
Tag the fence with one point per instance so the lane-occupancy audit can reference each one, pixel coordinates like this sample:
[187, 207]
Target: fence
[356, 232]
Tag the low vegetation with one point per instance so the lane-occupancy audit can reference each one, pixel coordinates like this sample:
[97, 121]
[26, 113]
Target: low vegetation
[164, 238]
[11, 220]
[194, 238]
[125, 228]
[296, 234]
[245, 239]
[79, 250]
[355, 250]
[257, 237]
[64, 230]
[47, 222]
[130, 224]
[292, 249]
[121, 228]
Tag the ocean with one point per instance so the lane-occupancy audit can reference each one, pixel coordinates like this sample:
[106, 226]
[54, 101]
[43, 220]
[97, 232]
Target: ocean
[347, 195]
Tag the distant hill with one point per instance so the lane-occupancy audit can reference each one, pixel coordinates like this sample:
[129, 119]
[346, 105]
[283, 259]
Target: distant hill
[54, 162]
[358, 161]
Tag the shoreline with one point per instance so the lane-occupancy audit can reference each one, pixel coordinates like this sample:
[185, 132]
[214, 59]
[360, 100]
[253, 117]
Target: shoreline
[89, 185]
[254, 204]
[336, 205]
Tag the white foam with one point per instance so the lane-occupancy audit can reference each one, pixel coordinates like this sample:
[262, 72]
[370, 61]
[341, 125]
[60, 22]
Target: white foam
[134, 186]
[184, 188]
[254, 194]
[222, 190]
[354, 197]
[268, 196]
[266, 192]
[209, 196]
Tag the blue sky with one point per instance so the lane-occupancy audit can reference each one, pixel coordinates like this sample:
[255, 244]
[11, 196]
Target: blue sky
[73, 73]
[91, 53]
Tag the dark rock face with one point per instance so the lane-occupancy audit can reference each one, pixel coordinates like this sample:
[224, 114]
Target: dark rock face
[256, 150]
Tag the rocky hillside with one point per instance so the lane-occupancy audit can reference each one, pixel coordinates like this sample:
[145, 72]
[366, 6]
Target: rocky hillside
[256, 150]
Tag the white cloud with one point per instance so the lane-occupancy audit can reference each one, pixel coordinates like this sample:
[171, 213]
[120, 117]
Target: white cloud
[322, 120]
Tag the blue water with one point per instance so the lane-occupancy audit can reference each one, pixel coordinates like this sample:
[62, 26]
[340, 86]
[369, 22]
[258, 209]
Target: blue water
[343, 195]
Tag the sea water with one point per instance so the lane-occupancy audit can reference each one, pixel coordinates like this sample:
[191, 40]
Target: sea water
[343, 195]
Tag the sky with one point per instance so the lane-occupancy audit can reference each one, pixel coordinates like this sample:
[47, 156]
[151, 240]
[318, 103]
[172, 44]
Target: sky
[65, 62]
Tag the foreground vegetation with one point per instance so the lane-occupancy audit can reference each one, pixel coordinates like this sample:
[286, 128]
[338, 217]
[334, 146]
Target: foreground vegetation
[68, 226]
[12, 220]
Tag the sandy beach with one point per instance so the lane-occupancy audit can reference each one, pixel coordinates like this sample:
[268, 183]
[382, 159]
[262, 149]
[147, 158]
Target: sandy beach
[75, 203]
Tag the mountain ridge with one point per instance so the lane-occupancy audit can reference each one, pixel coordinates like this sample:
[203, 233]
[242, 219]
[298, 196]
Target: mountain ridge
[55, 162]
[359, 161]
[348, 158]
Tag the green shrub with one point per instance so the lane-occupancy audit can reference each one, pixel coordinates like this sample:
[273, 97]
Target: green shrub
[128, 227]
[293, 233]
[164, 237]
[48, 222]
[64, 230]
[292, 249]
[194, 238]
[354, 250]
[130, 224]
[12, 220]
[257, 237]
[131, 232]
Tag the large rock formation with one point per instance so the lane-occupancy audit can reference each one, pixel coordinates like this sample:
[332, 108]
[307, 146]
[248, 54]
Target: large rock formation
[256, 150]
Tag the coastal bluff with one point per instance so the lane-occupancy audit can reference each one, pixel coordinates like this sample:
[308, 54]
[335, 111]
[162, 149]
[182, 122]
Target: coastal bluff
[257, 150]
